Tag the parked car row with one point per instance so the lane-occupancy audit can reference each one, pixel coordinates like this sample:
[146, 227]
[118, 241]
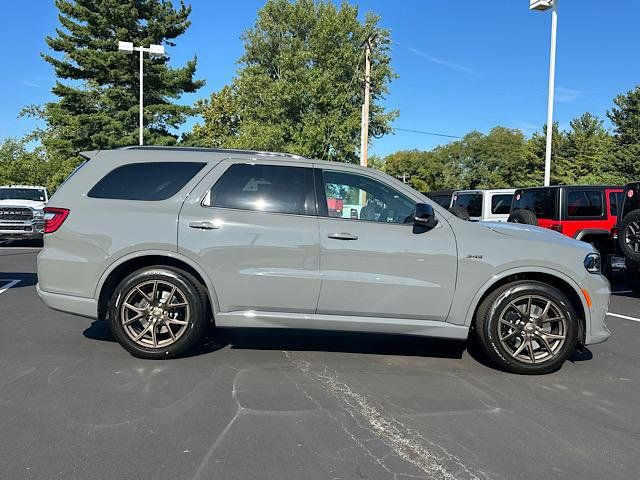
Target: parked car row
[22, 211]
[162, 241]
[607, 217]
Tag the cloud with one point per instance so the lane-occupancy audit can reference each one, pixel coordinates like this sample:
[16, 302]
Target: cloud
[567, 94]
[31, 84]
[444, 63]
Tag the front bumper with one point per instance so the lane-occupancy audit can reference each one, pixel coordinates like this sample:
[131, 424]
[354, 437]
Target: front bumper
[21, 230]
[599, 290]
[84, 307]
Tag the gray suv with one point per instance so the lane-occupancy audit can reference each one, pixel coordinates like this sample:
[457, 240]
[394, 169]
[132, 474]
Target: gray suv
[164, 241]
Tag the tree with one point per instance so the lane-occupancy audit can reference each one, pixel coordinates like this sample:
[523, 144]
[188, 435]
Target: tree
[587, 150]
[537, 147]
[98, 106]
[21, 166]
[625, 117]
[299, 88]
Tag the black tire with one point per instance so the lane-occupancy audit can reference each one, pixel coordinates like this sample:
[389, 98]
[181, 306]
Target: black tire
[187, 335]
[488, 321]
[632, 275]
[629, 236]
[460, 212]
[523, 216]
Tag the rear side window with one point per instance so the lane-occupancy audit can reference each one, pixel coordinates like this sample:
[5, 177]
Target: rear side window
[151, 181]
[501, 204]
[630, 201]
[472, 202]
[266, 188]
[615, 200]
[541, 201]
[585, 203]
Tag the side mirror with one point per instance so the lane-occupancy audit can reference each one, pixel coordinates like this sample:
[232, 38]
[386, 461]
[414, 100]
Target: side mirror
[424, 216]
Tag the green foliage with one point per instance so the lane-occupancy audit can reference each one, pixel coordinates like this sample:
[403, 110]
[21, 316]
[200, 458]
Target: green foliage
[625, 117]
[299, 86]
[98, 106]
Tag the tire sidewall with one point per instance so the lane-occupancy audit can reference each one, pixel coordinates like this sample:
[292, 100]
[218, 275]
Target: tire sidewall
[499, 354]
[197, 320]
[633, 216]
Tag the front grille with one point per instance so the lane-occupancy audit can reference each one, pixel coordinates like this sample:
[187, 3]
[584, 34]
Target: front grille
[15, 228]
[11, 213]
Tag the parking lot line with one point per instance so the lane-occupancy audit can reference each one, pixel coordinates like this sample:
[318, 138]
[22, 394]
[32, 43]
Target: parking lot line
[10, 283]
[624, 317]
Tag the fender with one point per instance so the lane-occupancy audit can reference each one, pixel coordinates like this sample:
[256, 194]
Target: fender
[215, 306]
[533, 269]
[591, 231]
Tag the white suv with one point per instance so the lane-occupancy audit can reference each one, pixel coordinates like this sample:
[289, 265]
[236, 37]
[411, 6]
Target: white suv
[486, 205]
[22, 211]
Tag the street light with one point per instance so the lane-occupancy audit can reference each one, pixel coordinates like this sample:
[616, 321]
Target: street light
[153, 50]
[543, 5]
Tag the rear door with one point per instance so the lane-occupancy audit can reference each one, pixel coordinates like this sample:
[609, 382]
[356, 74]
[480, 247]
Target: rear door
[253, 228]
[372, 262]
[584, 211]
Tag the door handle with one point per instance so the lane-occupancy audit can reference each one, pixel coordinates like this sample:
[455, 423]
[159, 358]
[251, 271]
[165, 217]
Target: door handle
[203, 225]
[343, 236]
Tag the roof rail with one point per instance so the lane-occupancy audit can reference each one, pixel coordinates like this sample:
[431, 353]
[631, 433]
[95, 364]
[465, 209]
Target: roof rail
[210, 150]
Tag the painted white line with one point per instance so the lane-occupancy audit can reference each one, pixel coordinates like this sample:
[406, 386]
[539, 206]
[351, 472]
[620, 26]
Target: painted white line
[621, 291]
[10, 283]
[624, 317]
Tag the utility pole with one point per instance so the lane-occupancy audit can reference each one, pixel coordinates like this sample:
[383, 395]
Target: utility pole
[364, 126]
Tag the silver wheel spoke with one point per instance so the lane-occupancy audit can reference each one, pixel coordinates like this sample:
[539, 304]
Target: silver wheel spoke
[176, 305]
[545, 344]
[168, 327]
[552, 336]
[530, 348]
[147, 297]
[520, 349]
[508, 336]
[529, 306]
[144, 331]
[129, 321]
[154, 293]
[154, 337]
[176, 322]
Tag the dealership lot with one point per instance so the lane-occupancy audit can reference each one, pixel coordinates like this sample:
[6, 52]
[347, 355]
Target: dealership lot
[292, 405]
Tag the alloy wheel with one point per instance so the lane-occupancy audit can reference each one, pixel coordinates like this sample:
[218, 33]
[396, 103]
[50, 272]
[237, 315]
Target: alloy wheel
[632, 236]
[532, 328]
[155, 314]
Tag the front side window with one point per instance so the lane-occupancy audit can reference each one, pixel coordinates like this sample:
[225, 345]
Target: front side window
[472, 202]
[265, 188]
[152, 181]
[501, 204]
[585, 203]
[358, 197]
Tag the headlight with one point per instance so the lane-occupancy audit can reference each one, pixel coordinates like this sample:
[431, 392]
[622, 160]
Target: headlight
[38, 213]
[593, 262]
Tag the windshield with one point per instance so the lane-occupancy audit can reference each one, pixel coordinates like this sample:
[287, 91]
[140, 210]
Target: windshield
[34, 194]
[472, 202]
[541, 201]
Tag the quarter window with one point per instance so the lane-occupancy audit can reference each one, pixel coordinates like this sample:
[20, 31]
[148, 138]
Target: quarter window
[501, 204]
[265, 188]
[472, 202]
[358, 197]
[585, 203]
[145, 181]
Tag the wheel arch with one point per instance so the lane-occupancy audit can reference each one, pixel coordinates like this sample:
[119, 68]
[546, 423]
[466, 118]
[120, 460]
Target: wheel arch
[134, 261]
[552, 277]
[591, 232]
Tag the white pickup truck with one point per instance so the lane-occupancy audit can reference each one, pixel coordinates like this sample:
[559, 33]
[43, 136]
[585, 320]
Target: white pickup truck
[22, 211]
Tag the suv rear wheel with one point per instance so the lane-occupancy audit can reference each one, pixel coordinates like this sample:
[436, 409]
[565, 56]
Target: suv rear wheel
[527, 327]
[158, 312]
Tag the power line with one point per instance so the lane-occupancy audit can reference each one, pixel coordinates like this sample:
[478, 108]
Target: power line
[426, 133]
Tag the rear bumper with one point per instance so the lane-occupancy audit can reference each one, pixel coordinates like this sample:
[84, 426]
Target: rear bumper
[84, 307]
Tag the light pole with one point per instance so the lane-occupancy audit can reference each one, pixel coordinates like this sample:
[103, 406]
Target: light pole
[543, 5]
[153, 50]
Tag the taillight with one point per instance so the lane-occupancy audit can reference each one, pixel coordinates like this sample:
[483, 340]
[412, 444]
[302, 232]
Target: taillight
[557, 228]
[54, 218]
[614, 233]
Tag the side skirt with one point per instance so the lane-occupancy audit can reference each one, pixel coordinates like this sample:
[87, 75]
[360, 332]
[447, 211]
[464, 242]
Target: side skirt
[426, 328]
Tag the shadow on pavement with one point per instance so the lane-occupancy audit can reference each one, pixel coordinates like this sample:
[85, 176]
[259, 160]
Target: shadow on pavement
[26, 279]
[310, 340]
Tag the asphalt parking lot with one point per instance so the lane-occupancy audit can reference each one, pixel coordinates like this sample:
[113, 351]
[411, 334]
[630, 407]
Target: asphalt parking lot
[302, 405]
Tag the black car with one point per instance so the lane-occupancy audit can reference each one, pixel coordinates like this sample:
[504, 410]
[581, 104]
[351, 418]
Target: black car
[628, 233]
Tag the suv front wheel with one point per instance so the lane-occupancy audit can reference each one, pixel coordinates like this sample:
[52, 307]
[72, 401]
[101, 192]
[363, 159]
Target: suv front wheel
[527, 327]
[158, 312]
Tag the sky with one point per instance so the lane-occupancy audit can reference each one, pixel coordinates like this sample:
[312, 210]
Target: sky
[463, 64]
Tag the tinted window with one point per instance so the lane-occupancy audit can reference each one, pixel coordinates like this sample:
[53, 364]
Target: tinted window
[630, 201]
[585, 203]
[472, 202]
[501, 204]
[33, 194]
[442, 200]
[541, 201]
[358, 197]
[267, 188]
[615, 200]
[145, 181]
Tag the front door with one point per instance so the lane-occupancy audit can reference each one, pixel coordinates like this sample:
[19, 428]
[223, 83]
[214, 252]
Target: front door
[252, 226]
[372, 262]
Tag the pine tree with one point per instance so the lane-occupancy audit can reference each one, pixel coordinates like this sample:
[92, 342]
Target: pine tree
[97, 104]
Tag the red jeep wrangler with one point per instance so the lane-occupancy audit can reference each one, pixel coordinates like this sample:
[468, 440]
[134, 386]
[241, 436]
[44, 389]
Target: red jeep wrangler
[587, 213]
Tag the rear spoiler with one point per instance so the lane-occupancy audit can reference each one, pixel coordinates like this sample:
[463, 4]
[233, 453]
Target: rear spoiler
[89, 154]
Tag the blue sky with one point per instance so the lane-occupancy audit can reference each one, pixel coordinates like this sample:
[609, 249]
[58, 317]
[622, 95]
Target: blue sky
[463, 64]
